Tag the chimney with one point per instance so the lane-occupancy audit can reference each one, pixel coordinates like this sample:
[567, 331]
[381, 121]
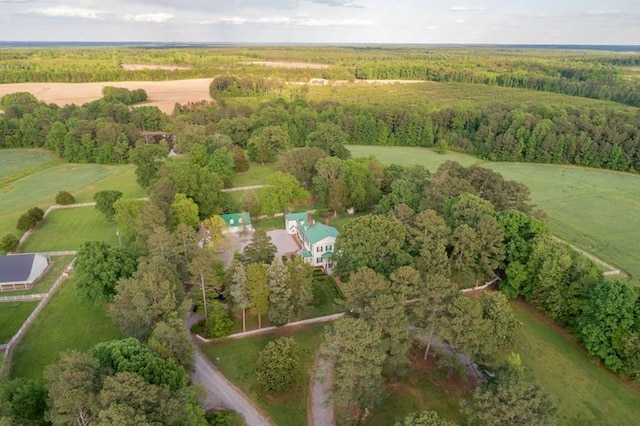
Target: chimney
[309, 220]
[326, 221]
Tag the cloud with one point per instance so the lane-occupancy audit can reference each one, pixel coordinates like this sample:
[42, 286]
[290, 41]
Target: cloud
[430, 27]
[292, 21]
[338, 3]
[465, 9]
[68, 12]
[158, 18]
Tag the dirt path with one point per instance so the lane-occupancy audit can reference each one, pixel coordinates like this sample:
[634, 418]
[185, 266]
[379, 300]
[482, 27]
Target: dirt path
[319, 409]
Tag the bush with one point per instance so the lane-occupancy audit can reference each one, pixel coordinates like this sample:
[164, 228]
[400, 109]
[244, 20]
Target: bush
[224, 418]
[64, 198]
[9, 243]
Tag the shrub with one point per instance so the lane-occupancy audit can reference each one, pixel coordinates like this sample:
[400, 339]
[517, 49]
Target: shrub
[224, 418]
[30, 219]
[278, 365]
[64, 198]
[9, 243]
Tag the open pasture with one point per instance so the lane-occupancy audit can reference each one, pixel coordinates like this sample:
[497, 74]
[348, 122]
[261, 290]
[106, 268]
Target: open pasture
[595, 209]
[586, 393]
[12, 315]
[65, 323]
[16, 162]
[68, 229]
[40, 187]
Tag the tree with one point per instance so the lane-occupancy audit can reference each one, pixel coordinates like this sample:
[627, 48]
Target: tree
[504, 326]
[24, 401]
[373, 241]
[104, 202]
[220, 324]
[301, 164]
[133, 356]
[224, 418]
[239, 291]
[144, 299]
[147, 159]
[300, 281]
[429, 313]
[171, 340]
[280, 304]
[406, 281]
[30, 219]
[73, 383]
[424, 418]
[609, 311]
[222, 162]
[185, 210]
[280, 192]
[127, 215]
[261, 249]
[330, 138]
[357, 354]
[127, 399]
[257, 285]
[265, 145]
[99, 267]
[466, 330]
[363, 286]
[492, 249]
[203, 267]
[466, 248]
[278, 366]
[64, 198]
[509, 399]
[9, 243]
[240, 163]
[249, 202]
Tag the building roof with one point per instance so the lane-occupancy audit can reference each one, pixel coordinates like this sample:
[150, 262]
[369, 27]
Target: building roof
[318, 232]
[327, 255]
[16, 268]
[237, 219]
[296, 216]
[306, 253]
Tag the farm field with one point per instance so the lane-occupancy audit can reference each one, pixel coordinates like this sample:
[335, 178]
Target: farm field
[237, 359]
[12, 315]
[586, 392]
[66, 323]
[68, 229]
[40, 187]
[594, 209]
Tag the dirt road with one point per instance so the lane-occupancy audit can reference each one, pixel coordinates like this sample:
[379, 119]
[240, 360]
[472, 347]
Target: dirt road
[321, 411]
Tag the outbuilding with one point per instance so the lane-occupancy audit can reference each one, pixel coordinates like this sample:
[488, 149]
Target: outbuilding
[20, 271]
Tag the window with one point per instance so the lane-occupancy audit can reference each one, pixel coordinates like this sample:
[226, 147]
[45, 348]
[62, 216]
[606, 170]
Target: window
[318, 260]
[319, 249]
[329, 248]
[231, 222]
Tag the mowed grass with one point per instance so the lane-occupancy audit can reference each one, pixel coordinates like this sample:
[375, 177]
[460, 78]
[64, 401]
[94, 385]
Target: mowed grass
[587, 394]
[68, 229]
[12, 315]
[256, 175]
[40, 187]
[66, 323]
[18, 161]
[237, 360]
[597, 210]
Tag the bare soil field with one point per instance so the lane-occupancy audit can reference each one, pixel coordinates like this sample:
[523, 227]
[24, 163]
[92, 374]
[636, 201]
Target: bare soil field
[163, 94]
[286, 64]
[137, 67]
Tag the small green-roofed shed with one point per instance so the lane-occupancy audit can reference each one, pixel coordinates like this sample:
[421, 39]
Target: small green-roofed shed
[237, 220]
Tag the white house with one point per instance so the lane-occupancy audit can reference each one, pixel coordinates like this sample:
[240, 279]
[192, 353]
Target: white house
[317, 239]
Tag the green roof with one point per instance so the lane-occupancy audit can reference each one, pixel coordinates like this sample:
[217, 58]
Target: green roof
[327, 254]
[237, 219]
[296, 216]
[319, 232]
[306, 253]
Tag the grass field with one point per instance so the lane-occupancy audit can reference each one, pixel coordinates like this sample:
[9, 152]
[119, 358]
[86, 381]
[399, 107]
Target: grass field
[256, 175]
[12, 315]
[39, 187]
[597, 210]
[237, 360]
[56, 267]
[16, 162]
[68, 229]
[65, 323]
[587, 394]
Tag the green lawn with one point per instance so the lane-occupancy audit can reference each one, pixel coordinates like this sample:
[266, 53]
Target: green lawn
[587, 393]
[18, 162]
[56, 267]
[40, 187]
[12, 315]
[256, 175]
[594, 209]
[237, 360]
[66, 323]
[68, 229]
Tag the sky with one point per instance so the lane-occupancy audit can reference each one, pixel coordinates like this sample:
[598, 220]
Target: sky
[324, 21]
